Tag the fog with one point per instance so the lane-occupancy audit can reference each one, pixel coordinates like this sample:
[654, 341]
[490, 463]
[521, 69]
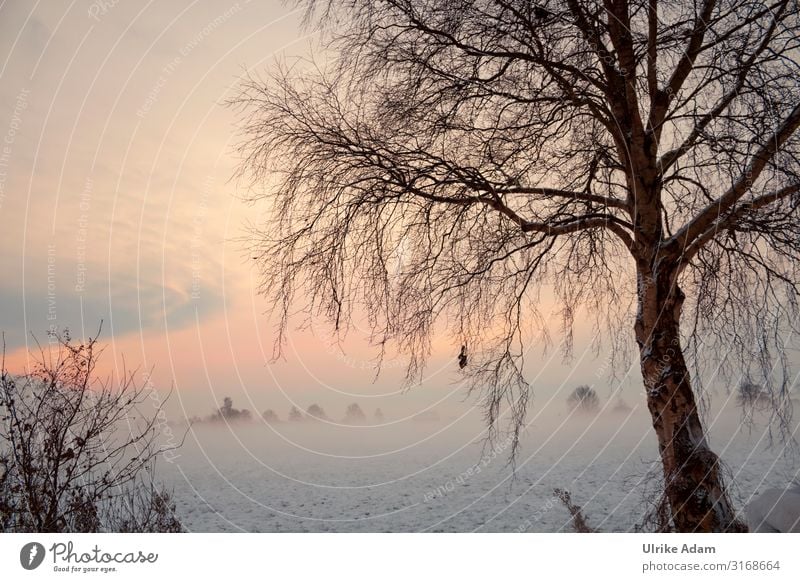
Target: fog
[117, 174]
[407, 474]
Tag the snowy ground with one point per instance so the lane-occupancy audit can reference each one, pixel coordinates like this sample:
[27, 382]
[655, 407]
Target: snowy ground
[422, 476]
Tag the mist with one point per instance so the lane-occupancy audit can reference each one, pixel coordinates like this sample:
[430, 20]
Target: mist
[439, 471]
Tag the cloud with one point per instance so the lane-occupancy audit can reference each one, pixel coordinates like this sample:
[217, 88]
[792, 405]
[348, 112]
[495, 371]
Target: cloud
[106, 214]
[125, 302]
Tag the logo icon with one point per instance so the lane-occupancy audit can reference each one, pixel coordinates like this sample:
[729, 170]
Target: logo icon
[31, 555]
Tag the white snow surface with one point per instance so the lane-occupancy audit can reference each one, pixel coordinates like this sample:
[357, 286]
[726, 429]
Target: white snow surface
[407, 476]
[775, 511]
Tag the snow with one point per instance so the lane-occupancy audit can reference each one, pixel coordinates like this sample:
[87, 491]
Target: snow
[775, 510]
[411, 476]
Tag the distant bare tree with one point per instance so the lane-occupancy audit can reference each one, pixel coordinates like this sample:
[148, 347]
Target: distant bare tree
[77, 453]
[584, 399]
[295, 415]
[751, 395]
[354, 414]
[228, 413]
[227, 407]
[316, 412]
[754, 399]
[451, 158]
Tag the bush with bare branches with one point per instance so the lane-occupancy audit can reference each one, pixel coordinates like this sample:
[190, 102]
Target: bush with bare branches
[577, 519]
[78, 453]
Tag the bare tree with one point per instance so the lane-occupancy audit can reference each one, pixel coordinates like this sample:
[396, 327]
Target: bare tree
[354, 414]
[228, 413]
[295, 415]
[751, 395]
[584, 399]
[640, 158]
[316, 412]
[78, 453]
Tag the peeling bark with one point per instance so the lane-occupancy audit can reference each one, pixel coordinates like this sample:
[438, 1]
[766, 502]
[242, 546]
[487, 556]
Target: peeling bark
[694, 483]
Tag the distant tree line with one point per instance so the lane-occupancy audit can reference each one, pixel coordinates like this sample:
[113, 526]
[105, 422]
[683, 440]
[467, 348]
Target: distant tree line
[227, 413]
[353, 414]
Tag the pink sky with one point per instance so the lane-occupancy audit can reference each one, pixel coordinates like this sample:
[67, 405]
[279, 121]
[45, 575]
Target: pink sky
[117, 203]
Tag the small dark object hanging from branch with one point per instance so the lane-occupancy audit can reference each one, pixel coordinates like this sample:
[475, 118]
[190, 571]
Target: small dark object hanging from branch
[462, 357]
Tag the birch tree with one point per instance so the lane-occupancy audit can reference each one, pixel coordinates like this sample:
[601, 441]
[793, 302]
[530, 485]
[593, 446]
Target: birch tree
[446, 161]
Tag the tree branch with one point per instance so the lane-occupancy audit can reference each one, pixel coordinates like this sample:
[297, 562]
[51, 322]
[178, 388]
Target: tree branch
[668, 159]
[686, 64]
[706, 218]
[729, 222]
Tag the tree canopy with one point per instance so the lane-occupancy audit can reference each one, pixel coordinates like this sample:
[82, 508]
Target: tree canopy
[448, 161]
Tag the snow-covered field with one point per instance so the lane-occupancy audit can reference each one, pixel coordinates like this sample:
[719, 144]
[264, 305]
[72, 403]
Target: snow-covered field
[432, 476]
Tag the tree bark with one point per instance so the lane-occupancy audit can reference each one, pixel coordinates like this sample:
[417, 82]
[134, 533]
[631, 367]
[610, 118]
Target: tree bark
[694, 485]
